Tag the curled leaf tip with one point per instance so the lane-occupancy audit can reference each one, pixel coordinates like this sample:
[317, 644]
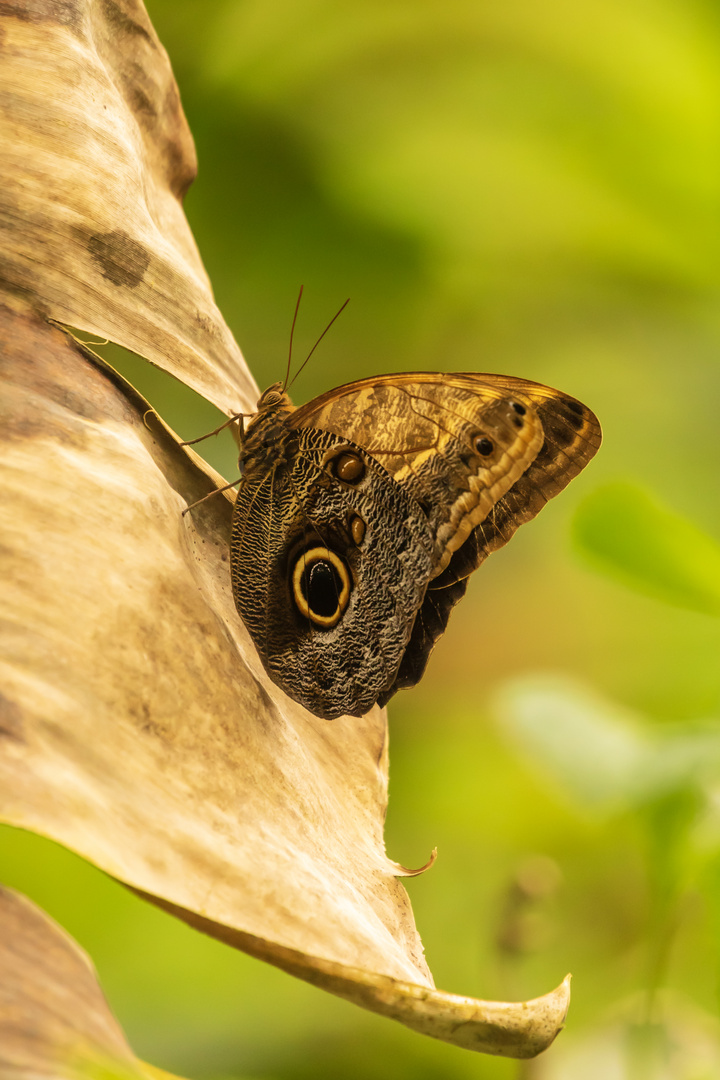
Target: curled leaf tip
[514, 1029]
[404, 871]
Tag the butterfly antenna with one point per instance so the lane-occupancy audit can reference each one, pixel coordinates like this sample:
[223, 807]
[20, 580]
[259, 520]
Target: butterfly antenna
[292, 331]
[335, 316]
[215, 491]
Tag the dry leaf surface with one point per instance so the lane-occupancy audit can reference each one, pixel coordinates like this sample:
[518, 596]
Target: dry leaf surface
[96, 157]
[151, 739]
[54, 1021]
[137, 725]
[139, 728]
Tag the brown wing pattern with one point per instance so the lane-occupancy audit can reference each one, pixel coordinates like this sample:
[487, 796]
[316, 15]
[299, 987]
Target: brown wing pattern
[417, 425]
[426, 434]
[401, 418]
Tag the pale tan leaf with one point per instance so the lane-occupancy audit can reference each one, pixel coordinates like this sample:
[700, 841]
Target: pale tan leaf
[152, 741]
[138, 725]
[96, 157]
[54, 1021]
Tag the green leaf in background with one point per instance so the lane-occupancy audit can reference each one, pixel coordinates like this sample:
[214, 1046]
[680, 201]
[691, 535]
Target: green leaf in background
[608, 760]
[604, 757]
[626, 534]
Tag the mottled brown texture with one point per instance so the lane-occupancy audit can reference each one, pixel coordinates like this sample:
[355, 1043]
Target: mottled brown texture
[284, 512]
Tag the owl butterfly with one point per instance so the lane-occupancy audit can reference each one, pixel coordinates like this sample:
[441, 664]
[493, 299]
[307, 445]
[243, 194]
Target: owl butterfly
[362, 514]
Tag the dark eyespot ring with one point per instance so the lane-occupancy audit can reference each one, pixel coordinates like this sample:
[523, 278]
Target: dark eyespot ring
[519, 409]
[484, 446]
[320, 586]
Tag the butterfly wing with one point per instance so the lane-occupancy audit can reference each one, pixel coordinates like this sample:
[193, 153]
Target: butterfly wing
[330, 561]
[427, 429]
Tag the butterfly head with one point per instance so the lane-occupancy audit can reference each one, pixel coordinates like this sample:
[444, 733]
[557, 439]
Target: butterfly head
[273, 400]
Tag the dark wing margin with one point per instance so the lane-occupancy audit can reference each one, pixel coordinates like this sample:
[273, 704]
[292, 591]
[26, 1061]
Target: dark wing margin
[572, 437]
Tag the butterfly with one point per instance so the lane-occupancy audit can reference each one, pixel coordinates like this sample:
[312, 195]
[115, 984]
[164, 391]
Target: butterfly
[362, 514]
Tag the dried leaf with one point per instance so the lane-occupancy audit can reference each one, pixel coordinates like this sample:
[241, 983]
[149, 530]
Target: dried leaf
[138, 726]
[151, 739]
[54, 1021]
[96, 157]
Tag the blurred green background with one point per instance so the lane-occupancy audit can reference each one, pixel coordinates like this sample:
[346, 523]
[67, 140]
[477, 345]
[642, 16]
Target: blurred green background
[531, 189]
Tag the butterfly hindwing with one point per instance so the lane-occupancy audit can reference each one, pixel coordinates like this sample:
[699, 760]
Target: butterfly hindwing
[307, 546]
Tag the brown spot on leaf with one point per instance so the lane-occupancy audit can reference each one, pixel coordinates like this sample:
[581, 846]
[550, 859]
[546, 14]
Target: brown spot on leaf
[141, 103]
[180, 173]
[64, 12]
[123, 260]
[11, 722]
[122, 22]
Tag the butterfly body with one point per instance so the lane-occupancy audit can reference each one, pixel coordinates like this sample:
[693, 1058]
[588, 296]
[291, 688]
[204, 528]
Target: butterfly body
[361, 515]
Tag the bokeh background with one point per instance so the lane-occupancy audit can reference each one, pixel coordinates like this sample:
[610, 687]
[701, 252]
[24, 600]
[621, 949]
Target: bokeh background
[531, 189]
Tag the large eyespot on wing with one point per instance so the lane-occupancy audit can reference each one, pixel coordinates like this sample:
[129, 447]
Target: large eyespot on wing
[320, 586]
[330, 562]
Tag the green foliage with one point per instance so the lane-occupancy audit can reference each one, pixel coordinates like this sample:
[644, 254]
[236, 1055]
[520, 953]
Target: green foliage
[631, 538]
[603, 757]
